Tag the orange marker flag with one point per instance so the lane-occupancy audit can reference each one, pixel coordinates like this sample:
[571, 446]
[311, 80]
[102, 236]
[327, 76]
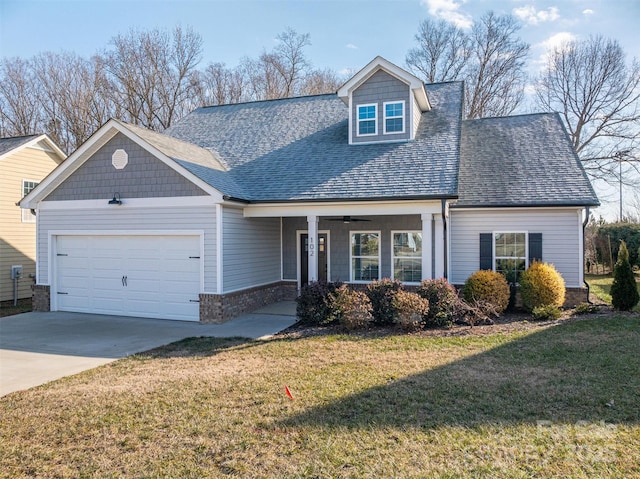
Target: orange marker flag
[286, 390]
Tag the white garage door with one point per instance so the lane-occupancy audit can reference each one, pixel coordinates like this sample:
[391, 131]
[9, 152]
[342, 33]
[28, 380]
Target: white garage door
[145, 276]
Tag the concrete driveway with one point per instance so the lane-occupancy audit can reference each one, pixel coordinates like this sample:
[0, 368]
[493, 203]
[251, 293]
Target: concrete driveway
[36, 348]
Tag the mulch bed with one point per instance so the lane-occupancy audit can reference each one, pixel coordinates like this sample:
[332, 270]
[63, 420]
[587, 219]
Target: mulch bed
[507, 323]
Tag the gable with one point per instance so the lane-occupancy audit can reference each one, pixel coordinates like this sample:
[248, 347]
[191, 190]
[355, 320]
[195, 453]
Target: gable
[144, 176]
[377, 90]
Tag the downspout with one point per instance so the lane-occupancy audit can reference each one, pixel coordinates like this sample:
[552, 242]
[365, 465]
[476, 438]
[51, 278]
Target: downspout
[584, 245]
[444, 237]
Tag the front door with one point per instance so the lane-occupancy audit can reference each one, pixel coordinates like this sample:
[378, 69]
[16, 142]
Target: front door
[323, 245]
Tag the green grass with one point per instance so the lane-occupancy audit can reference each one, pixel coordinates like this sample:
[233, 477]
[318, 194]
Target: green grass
[551, 401]
[600, 285]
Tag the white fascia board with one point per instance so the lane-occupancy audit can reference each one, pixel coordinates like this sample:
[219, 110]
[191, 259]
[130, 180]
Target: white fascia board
[379, 63]
[373, 208]
[162, 202]
[89, 147]
[454, 210]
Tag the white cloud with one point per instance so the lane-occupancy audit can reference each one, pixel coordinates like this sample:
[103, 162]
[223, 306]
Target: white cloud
[557, 40]
[530, 15]
[588, 11]
[449, 10]
[351, 46]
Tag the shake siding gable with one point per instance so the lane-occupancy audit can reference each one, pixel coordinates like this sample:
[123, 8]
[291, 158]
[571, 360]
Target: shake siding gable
[251, 250]
[379, 88]
[560, 231]
[145, 176]
[123, 219]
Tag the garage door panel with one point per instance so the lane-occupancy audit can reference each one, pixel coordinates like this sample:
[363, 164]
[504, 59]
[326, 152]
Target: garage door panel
[148, 276]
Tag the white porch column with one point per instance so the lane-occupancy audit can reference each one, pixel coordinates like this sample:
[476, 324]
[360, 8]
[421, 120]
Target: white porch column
[312, 250]
[438, 246]
[427, 246]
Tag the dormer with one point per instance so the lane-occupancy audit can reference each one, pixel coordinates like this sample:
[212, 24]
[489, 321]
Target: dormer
[385, 103]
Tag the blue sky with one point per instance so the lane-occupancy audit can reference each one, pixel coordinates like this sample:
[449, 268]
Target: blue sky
[345, 35]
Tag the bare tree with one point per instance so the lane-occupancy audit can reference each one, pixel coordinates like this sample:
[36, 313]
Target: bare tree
[20, 112]
[318, 82]
[442, 53]
[279, 73]
[152, 74]
[490, 59]
[496, 77]
[219, 85]
[597, 95]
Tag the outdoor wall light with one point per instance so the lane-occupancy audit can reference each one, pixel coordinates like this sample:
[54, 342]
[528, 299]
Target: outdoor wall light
[116, 199]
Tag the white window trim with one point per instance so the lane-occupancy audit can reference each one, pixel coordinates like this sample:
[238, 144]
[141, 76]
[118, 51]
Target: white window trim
[375, 119]
[526, 248]
[393, 257]
[25, 214]
[385, 117]
[379, 257]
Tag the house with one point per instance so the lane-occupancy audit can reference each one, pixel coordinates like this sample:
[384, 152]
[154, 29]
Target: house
[24, 162]
[240, 205]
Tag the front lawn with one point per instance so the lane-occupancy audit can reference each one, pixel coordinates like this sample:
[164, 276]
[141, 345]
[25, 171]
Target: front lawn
[549, 401]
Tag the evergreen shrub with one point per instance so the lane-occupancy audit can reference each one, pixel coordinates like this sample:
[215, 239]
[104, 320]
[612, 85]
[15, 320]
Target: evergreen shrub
[443, 300]
[624, 290]
[488, 290]
[410, 310]
[381, 294]
[541, 285]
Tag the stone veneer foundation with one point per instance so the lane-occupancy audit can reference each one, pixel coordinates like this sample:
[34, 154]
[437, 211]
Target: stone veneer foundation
[41, 298]
[219, 308]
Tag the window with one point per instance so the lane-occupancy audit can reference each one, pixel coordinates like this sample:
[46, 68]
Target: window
[365, 256]
[510, 254]
[407, 256]
[27, 186]
[367, 120]
[394, 117]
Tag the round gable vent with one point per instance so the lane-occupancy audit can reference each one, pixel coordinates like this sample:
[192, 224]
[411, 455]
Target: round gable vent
[119, 159]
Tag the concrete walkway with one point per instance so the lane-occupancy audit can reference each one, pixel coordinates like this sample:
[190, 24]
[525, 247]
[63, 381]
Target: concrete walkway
[36, 348]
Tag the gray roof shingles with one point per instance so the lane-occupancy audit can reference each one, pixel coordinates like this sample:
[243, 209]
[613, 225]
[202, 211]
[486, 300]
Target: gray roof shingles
[298, 149]
[524, 160]
[8, 144]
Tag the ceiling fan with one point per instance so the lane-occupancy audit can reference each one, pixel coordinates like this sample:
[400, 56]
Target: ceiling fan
[347, 219]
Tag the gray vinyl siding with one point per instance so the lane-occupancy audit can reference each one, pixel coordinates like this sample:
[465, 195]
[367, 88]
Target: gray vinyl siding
[560, 230]
[380, 88]
[251, 250]
[144, 176]
[127, 220]
[339, 242]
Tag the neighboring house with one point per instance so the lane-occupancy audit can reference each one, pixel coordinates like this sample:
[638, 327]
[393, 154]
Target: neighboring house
[24, 162]
[240, 205]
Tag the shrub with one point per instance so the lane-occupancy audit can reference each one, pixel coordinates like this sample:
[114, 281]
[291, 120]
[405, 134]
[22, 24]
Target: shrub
[541, 285]
[351, 309]
[410, 310]
[585, 308]
[314, 306]
[443, 299]
[488, 290]
[546, 312]
[381, 295]
[624, 290]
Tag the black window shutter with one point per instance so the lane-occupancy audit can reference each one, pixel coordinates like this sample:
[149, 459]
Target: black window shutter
[535, 247]
[486, 251]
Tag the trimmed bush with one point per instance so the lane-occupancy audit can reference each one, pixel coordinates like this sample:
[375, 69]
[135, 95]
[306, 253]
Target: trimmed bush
[443, 300]
[488, 290]
[410, 310]
[314, 306]
[351, 309]
[541, 285]
[624, 290]
[381, 294]
[585, 308]
[546, 312]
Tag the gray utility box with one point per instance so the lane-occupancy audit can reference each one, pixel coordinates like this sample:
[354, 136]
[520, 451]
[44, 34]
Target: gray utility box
[16, 271]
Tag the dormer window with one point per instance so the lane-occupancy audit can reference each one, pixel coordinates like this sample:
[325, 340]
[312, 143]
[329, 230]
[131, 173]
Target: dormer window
[394, 117]
[367, 120]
